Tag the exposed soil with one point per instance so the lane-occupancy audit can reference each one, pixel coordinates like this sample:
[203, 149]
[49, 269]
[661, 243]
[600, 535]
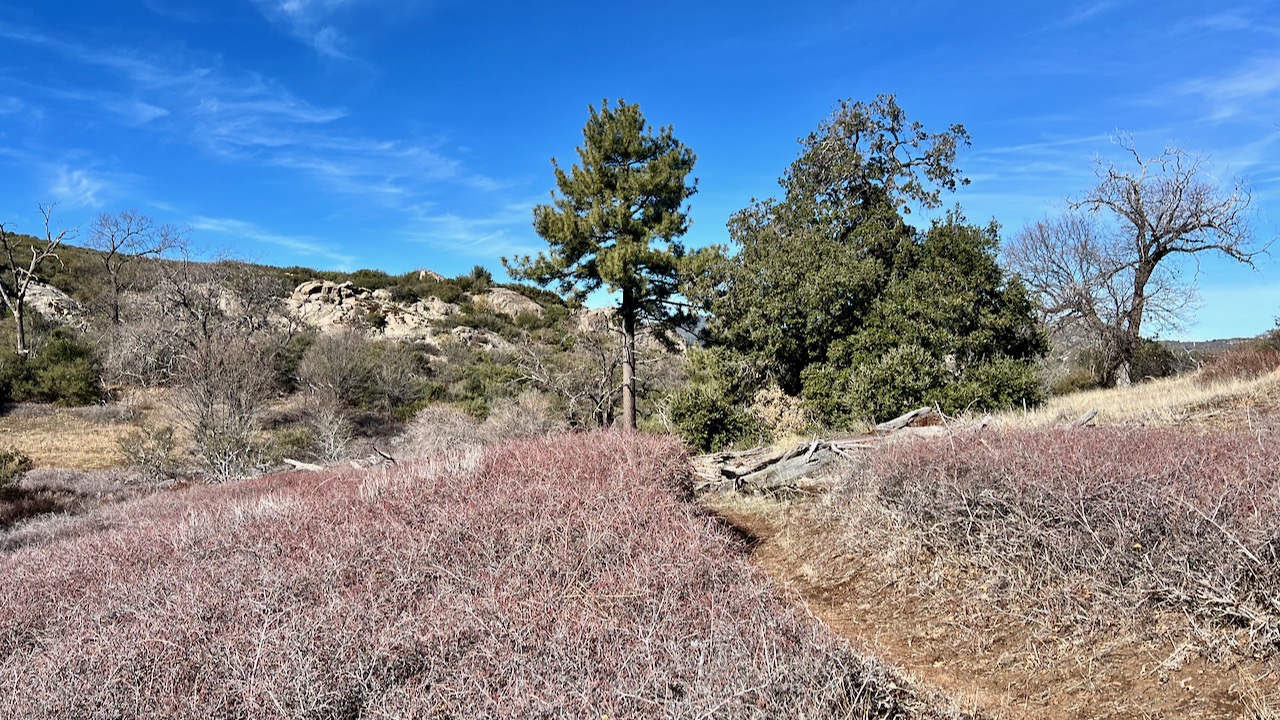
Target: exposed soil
[1004, 666]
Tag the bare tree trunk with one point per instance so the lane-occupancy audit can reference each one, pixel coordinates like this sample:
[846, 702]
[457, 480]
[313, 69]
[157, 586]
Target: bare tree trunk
[1131, 335]
[20, 325]
[628, 360]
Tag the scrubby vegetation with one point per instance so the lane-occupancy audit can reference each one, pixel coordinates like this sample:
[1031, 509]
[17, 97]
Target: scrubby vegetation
[560, 577]
[1244, 362]
[1111, 523]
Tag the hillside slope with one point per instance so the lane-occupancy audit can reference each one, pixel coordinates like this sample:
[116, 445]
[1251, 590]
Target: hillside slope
[562, 577]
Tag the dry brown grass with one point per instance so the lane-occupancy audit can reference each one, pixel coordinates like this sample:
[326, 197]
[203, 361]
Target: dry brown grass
[1178, 400]
[62, 437]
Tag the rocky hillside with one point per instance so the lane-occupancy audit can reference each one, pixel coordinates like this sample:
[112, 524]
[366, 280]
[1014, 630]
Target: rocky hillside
[331, 307]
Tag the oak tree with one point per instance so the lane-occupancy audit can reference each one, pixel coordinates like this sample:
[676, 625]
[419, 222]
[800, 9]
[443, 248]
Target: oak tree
[1111, 262]
[841, 301]
[122, 239]
[614, 224]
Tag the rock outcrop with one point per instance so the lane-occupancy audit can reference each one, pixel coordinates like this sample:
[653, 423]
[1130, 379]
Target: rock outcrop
[337, 307]
[507, 302]
[55, 305]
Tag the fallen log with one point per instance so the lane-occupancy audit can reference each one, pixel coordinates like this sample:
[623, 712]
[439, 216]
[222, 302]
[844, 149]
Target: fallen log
[1084, 419]
[299, 465]
[784, 476]
[904, 420]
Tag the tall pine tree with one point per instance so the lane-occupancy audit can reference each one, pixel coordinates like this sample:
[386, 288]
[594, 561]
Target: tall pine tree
[614, 224]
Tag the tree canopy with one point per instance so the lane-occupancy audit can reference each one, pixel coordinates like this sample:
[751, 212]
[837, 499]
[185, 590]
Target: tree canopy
[1110, 262]
[615, 221]
[830, 285]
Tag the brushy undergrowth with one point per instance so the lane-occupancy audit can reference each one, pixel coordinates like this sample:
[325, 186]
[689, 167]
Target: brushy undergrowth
[1103, 525]
[551, 578]
[1241, 363]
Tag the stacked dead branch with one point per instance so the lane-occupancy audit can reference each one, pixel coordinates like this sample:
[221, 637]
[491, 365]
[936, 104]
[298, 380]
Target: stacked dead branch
[801, 469]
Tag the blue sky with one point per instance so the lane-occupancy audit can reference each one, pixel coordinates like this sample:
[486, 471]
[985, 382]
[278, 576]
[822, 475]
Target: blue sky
[400, 134]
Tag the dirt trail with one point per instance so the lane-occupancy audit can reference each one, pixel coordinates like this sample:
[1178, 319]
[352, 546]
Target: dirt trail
[1003, 668]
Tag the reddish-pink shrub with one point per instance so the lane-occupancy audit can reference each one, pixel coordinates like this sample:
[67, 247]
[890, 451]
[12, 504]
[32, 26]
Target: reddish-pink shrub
[1138, 518]
[551, 578]
[1243, 362]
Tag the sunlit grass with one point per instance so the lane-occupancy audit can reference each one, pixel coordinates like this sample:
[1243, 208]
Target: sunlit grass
[1168, 401]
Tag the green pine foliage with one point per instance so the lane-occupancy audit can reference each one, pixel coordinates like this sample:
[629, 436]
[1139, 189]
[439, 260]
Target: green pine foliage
[614, 224]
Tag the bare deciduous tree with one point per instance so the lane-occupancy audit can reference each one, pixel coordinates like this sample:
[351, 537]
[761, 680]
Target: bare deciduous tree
[223, 348]
[122, 239]
[583, 375]
[23, 256]
[1110, 262]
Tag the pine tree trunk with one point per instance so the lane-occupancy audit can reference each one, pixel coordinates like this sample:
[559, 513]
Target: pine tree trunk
[628, 360]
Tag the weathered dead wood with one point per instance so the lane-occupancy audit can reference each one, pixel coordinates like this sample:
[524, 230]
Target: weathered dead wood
[904, 420]
[812, 446]
[386, 457]
[299, 465]
[783, 476]
[1084, 419]
[799, 468]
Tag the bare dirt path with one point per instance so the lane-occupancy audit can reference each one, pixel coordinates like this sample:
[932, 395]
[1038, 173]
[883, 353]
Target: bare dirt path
[1003, 667]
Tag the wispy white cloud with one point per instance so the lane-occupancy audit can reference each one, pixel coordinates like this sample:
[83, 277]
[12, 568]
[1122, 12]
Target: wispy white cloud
[302, 245]
[310, 21]
[1235, 20]
[1083, 14]
[77, 188]
[505, 230]
[10, 105]
[249, 118]
[1238, 92]
[68, 178]
[323, 24]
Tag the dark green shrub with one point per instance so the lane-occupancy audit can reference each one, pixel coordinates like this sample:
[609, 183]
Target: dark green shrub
[994, 386]
[371, 279]
[298, 443]
[63, 370]
[477, 408]
[708, 421]
[376, 320]
[446, 291]
[907, 377]
[1077, 379]
[1153, 360]
[902, 379]
[67, 372]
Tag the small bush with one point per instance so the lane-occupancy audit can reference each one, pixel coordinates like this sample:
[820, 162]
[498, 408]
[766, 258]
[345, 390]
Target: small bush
[992, 387]
[708, 421]
[1153, 360]
[1077, 379]
[149, 450]
[904, 378]
[64, 370]
[228, 448]
[13, 465]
